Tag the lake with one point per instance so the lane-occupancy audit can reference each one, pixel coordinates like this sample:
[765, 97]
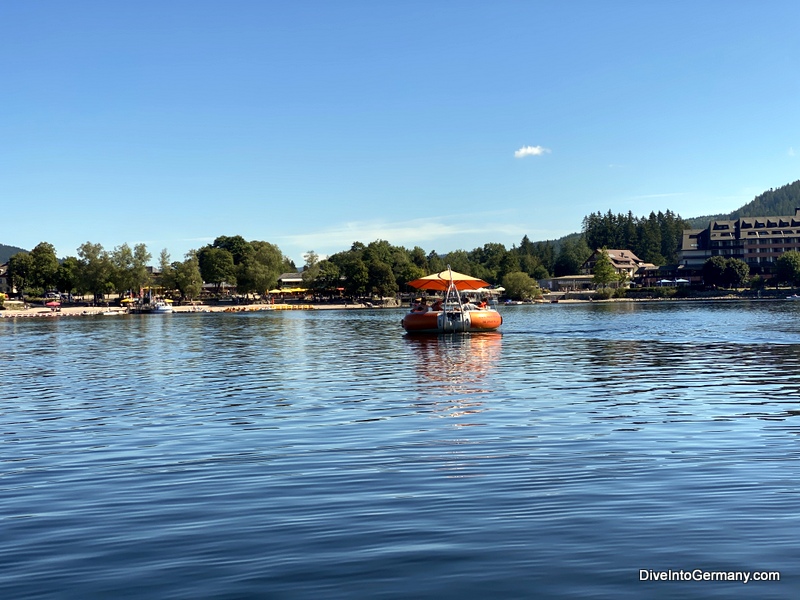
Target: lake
[325, 454]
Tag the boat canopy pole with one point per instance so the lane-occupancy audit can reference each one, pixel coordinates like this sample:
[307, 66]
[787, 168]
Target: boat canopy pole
[452, 304]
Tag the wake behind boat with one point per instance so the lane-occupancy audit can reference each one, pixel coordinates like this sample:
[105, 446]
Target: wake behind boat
[450, 314]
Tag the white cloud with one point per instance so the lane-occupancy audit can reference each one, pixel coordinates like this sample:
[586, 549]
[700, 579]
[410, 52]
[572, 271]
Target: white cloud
[531, 151]
[791, 151]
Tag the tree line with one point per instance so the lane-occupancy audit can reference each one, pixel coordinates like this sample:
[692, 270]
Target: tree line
[378, 268]
[655, 239]
[253, 267]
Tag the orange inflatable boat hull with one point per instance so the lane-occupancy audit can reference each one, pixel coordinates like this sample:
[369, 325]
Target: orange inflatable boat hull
[445, 322]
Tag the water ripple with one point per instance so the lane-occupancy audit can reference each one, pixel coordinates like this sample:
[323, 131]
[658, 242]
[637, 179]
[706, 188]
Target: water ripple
[299, 455]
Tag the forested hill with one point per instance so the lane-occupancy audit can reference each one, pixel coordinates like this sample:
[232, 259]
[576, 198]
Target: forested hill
[7, 252]
[772, 203]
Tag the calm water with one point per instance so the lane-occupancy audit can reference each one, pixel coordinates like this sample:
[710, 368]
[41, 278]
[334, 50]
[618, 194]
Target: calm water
[327, 455]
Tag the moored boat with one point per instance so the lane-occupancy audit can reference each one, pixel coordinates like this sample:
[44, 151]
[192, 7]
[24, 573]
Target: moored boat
[159, 306]
[152, 307]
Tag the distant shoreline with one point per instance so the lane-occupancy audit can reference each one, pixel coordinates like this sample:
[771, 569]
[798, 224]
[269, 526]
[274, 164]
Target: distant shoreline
[40, 311]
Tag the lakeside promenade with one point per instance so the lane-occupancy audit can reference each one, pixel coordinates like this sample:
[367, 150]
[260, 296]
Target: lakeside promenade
[77, 311]
[40, 311]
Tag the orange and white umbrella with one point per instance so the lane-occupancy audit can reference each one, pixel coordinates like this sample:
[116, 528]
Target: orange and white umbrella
[441, 281]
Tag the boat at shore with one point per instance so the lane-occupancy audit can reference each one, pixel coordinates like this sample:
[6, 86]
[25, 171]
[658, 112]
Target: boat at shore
[160, 307]
[451, 314]
[153, 307]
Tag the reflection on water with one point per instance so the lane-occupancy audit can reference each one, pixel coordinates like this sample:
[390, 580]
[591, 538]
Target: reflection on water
[453, 371]
[301, 455]
[456, 363]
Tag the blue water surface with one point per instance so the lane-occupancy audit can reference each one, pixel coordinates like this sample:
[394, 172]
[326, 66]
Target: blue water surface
[325, 454]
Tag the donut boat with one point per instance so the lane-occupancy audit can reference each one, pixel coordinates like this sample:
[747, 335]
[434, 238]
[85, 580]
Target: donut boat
[465, 321]
[451, 314]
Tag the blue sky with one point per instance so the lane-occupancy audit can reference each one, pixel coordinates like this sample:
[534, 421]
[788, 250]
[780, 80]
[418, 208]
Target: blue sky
[441, 124]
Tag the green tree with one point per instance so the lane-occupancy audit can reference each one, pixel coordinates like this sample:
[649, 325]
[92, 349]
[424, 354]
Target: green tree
[327, 278]
[167, 271]
[492, 257]
[509, 263]
[603, 271]
[458, 261]
[96, 269]
[20, 271]
[787, 268]
[356, 275]
[381, 279]
[540, 273]
[44, 266]
[572, 255]
[310, 269]
[520, 286]
[140, 274]
[261, 267]
[130, 267]
[122, 275]
[68, 275]
[736, 274]
[235, 244]
[418, 257]
[408, 272]
[216, 266]
[378, 251]
[532, 265]
[311, 259]
[436, 263]
[758, 283]
[714, 271]
[650, 241]
[188, 280]
[254, 276]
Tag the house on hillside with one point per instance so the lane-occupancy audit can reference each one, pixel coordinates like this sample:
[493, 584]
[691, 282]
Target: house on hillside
[623, 261]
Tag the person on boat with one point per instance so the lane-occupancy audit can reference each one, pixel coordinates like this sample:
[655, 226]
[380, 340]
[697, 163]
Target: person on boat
[437, 306]
[470, 305]
[482, 304]
[422, 306]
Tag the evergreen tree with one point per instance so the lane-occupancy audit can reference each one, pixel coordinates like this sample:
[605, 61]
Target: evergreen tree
[570, 258]
[603, 271]
[167, 275]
